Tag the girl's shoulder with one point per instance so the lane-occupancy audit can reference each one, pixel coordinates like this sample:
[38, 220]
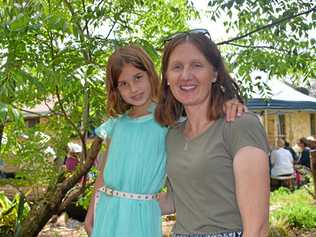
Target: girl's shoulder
[105, 130]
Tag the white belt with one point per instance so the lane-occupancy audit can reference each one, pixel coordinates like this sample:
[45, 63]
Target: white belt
[111, 192]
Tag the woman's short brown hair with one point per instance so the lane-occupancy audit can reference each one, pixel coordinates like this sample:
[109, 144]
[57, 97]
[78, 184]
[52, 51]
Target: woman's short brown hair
[137, 57]
[169, 110]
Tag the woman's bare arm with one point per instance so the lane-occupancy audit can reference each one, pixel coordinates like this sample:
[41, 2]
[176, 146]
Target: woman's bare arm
[251, 170]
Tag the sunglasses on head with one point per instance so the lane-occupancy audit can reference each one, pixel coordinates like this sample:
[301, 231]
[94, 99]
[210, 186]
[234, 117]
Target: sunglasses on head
[185, 33]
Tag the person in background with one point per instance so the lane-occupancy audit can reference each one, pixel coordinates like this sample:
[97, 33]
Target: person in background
[282, 161]
[304, 158]
[72, 158]
[291, 150]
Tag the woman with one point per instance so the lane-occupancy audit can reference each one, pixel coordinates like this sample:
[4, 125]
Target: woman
[305, 154]
[218, 172]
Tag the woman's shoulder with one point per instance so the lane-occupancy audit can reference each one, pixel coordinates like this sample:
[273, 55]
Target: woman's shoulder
[249, 116]
[247, 119]
[247, 123]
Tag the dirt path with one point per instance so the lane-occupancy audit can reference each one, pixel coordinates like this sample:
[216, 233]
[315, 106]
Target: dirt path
[73, 228]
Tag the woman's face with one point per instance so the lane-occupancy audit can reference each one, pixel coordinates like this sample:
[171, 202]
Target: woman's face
[190, 75]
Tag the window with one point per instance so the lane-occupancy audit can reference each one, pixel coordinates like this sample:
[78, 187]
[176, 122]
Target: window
[281, 125]
[313, 121]
[31, 122]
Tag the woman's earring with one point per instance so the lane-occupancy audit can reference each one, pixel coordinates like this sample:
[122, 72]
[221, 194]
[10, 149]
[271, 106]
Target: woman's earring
[213, 81]
[222, 88]
[168, 83]
[215, 78]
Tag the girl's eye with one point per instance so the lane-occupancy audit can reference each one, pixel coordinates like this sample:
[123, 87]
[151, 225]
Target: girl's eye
[121, 84]
[176, 67]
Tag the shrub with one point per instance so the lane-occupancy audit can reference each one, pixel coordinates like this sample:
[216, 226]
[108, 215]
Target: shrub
[12, 213]
[299, 215]
[279, 228]
[296, 207]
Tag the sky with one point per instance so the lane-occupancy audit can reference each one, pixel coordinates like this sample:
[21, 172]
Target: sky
[212, 27]
[217, 27]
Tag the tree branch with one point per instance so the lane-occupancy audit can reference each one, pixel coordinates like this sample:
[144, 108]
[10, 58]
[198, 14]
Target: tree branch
[26, 111]
[67, 184]
[66, 115]
[111, 29]
[72, 195]
[260, 47]
[88, 58]
[43, 209]
[50, 109]
[267, 26]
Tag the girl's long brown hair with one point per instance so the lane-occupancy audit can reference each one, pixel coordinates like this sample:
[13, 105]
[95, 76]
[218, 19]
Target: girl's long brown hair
[137, 57]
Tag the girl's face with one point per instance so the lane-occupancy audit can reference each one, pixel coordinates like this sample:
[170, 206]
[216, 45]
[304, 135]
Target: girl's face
[190, 75]
[134, 87]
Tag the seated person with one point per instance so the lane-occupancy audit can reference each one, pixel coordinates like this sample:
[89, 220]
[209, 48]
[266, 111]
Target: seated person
[290, 149]
[304, 158]
[281, 161]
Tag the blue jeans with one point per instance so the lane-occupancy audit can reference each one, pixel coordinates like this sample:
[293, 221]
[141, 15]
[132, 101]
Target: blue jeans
[225, 234]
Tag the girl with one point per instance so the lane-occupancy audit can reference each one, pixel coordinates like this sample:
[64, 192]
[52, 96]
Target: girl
[135, 168]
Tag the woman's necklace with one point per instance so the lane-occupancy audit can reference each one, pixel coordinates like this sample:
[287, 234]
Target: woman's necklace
[188, 139]
[186, 143]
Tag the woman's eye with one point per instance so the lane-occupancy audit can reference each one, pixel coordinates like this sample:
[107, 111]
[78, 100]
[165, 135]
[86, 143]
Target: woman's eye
[197, 65]
[138, 77]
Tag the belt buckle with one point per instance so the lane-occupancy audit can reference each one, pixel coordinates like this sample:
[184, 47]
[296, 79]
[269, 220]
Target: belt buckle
[109, 192]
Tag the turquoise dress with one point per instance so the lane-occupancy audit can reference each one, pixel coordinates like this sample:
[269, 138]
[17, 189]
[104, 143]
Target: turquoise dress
[136, 163]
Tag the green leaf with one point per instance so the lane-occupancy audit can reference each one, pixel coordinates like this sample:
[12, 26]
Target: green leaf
[20, 22]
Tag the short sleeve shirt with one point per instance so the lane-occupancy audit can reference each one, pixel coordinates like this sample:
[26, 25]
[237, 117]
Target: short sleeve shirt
[106, 129]
[136, 163]
[201, 173]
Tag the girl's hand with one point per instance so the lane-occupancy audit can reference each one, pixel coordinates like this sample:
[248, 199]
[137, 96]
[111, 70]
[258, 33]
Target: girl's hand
[233, 108]
[166, 203]
[88, 224]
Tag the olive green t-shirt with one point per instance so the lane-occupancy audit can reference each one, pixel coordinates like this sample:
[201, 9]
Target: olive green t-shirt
[200, 172]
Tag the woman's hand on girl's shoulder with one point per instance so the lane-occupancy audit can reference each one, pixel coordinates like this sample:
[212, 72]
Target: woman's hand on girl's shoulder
[233, 108]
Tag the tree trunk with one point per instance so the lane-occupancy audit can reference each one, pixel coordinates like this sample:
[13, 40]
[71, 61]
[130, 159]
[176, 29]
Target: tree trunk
[313, 169]
[1, 134]
[42, 211]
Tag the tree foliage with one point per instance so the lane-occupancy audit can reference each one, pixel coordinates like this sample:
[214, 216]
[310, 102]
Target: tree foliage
[271, 36]
[57, 50]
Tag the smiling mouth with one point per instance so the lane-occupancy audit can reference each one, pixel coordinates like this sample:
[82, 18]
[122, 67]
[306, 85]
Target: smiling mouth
[188, 87]
[138, 96]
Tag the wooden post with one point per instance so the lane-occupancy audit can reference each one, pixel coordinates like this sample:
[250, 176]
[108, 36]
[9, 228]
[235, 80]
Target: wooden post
[313, 168]
[266, 121]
